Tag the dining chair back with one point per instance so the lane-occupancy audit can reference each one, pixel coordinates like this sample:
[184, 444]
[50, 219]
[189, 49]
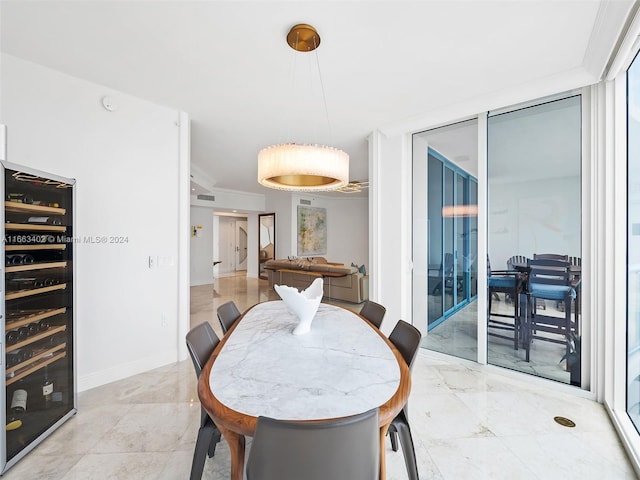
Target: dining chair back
[445, 273]
[551, 256]
[228, 313]
[374, 312]
[201, 342]
[406, 338]
[346, 448]
[516, 261]
[550, 279]
[506, 324]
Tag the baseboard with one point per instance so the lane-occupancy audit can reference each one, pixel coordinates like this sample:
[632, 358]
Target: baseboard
[118, 372]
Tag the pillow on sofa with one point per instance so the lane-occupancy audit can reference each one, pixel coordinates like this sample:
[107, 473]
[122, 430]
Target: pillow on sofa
[360, 268]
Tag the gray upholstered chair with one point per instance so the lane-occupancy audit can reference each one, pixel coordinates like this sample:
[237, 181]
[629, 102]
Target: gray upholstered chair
[201, 341]
[347, 448]
[406, 339]
[228, 313]
[374, 312]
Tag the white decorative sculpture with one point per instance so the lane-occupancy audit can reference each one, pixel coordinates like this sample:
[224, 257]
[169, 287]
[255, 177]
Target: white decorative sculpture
[303, 305]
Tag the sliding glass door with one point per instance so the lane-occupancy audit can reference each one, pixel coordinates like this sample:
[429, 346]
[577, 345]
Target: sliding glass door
[450, 238]
[534, 215]
[633, 243]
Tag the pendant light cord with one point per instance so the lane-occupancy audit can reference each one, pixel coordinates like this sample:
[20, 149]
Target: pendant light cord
[324, 97]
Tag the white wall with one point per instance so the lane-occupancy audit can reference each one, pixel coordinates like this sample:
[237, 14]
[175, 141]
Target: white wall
[201, 258]
[347, 225]
[392, 192]
[232, 200]
[126, 163]
[253, 233]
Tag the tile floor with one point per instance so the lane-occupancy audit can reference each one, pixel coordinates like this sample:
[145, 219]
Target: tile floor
[457, 336]
[468, 423]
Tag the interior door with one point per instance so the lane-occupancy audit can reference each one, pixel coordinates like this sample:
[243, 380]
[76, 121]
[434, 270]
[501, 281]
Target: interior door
[241, 245]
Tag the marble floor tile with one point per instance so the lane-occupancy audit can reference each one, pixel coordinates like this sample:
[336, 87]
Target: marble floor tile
[480, 458]
[563, 456]
[467, 421]
[119, 466]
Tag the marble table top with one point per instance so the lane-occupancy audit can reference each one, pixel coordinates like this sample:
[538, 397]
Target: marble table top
[341, 367]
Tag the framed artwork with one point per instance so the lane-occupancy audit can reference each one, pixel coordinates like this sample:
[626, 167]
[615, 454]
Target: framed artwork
[312, 231]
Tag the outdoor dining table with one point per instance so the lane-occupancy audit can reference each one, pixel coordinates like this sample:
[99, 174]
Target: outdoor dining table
[342, 367]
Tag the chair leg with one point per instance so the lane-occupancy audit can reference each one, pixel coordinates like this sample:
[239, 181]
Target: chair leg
[408, 450]
[203, 441]
[525, 322]
[567, 327]
[215, 439]
[393, 435]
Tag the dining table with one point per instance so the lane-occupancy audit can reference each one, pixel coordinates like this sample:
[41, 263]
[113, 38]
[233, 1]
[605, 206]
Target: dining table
[344, 366]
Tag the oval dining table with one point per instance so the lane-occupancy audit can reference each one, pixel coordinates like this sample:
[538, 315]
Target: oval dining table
[342, 367]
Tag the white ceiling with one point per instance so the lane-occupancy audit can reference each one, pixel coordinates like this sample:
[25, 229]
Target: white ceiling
[382, 62]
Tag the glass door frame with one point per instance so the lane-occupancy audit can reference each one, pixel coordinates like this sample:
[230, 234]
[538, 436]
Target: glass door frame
[612, 130]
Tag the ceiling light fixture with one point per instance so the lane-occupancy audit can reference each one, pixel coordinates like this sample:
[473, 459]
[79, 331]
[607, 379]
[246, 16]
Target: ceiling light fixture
[303, 167]
[355, 186]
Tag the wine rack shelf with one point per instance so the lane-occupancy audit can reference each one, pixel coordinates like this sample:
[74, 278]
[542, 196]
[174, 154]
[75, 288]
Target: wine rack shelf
[30, 208]
[35, 363]
[35, 266]
[34, 291]
[15, 321]
[35, 338]
[34, 227]
[42, 246]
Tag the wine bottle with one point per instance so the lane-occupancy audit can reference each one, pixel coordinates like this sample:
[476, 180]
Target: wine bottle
[34, 328]
[13, 423]
[19, 401]
[47, 388]
[25, 354]
[11, 337]
[23, 333]
[19, 259]
[13, 358]
[44, 324]
[19, 197]
[24, 283]
[14, 259]
[45, 220]
[46, 204]
[57, 339]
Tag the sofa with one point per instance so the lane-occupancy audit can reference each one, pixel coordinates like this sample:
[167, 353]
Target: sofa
[341, 282]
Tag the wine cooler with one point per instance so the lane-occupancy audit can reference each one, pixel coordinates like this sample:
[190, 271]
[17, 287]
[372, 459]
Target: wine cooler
[37, 308]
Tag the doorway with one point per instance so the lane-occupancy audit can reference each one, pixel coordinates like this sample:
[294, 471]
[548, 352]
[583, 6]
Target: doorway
[230, 245]
[241, 245]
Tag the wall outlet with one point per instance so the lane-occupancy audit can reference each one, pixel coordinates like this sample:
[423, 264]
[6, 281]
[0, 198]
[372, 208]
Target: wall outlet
[163, 320]
[153, 261]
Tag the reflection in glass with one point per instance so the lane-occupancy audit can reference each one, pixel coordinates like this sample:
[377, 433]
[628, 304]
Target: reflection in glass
[267, 241]
[534, 203]
[451, 209]
[633, 244]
